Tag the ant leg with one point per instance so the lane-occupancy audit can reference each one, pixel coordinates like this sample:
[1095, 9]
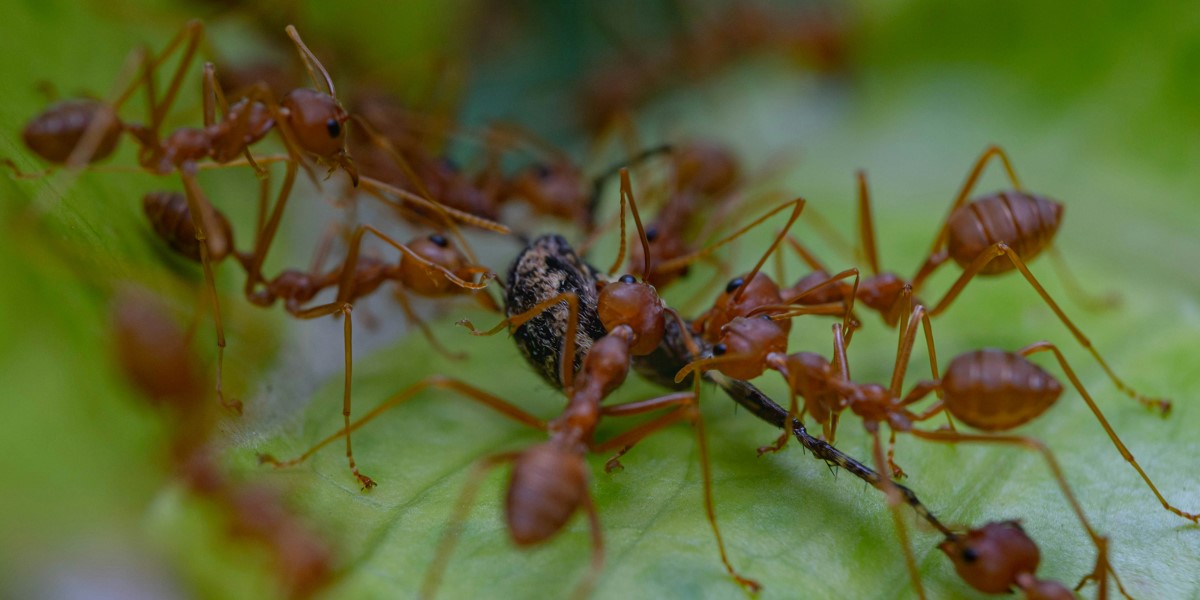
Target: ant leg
[384, 144]
[376, 188]
[848, 300]
[687, 259]
[794, 412]
[214, 94]
[265, 235]
[190, 36]
[688, 409]
[1075, 291]
[440, 382]
[805, 254]
[937, 256]
[1001, 249]
[584, 589]
[1112, 435]
[445, 545]
[625, 441]
[567, 362]
[311, 63]
[1051, 462]
[203, 220]
[340, 306]
[866, 224]
[908, 337]
[893, 501]
[413, 319]
[627, 198]
[992, 151]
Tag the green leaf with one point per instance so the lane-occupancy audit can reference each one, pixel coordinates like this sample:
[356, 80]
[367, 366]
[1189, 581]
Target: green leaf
[1097, 118]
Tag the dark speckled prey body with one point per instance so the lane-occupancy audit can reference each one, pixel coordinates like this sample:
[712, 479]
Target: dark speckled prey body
[549, 266]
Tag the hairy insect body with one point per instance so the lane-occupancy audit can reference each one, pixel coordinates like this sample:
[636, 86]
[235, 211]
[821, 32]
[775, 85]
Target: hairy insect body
[546, 268]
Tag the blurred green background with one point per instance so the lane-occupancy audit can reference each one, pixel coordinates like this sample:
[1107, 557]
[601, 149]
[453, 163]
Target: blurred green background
[1096, 104]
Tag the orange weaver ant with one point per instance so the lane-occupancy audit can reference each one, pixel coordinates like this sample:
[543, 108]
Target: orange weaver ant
[1014, 225]
[1000, 556]
[428, 267]
[989, 390]
[153, 353]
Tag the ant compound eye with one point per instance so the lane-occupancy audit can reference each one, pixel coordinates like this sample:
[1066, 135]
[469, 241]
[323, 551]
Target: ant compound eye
[734, 284]
[438, 239]
[969, 555]
[651, 234]
[719, 349]
[628, 279]
[449, 163]
[542, 171]
[333, 127]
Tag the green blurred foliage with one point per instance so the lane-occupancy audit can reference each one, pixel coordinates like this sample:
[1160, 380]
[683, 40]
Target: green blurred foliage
[1096, 106]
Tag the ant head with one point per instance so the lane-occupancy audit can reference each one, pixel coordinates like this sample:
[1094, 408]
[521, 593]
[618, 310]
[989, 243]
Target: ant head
[992, 557]
[555, 189]
[318, 121]
[630, 302]
[745, 344]
[759, 291]
[423, 280]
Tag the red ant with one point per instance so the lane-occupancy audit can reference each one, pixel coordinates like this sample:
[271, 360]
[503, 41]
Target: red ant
[1013, 224]
[154, 355]
[1000, 556]
[989, 390]
[549, 481]
[428, 266]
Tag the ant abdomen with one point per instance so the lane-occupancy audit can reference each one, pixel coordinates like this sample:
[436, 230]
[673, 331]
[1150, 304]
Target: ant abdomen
[548, 484]
[993, 390]
[1026, 222]
[171, 219]
[56, 132]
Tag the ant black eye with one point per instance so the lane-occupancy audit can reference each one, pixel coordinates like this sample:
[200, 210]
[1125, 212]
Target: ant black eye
[542, 171]
[439, 240]
[334, 128]
[969, 555]
[651, 234]
[720, 349]
[449, 163]
[628, 279]
[734, 284]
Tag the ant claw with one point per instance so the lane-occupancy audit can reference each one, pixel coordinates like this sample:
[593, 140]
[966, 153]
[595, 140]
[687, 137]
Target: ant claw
[897, 472]
[367, 482]
[267, 459]
[750, 585]
[776, 447]
[234, 406]
[1163, 406]
[613, 466]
